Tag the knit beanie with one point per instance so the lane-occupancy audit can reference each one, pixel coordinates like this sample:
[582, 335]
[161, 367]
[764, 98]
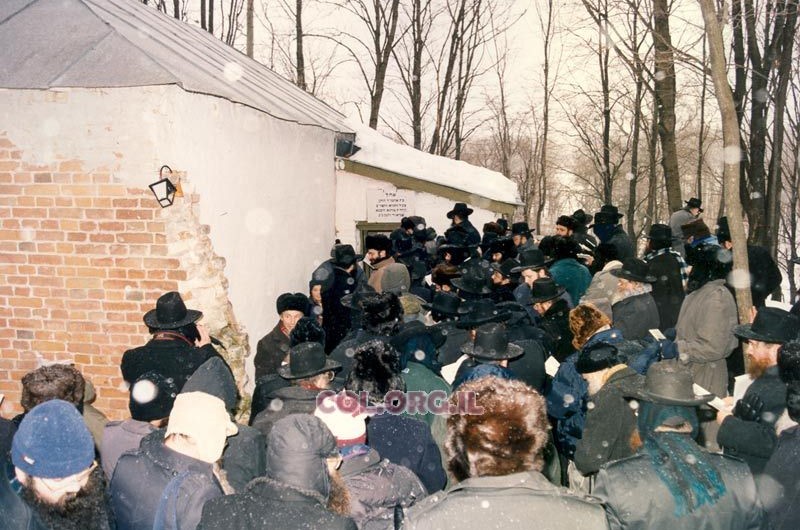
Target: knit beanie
[343, 416]
[203, 418]
[52, 441]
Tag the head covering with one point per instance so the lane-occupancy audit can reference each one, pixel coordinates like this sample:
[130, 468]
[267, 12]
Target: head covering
[506, 268]
[344, 255]
[789, 361]
[307, 359]
[597, 356]
[292, 302]
[474, 280]
[582, 218]
[530, 259]
[723, 231]
[345, 419]
[461, 210]
[608, 215]
[660, 232]
[491, 344]
[52, 441]
[419, 343]
[379, 242]
[772, 324]
[545, 289]
[395, 279]
[479, 312]
[152, 395]
[567, 222]
[696, 229]
[694, 202]
[565, 248]
[170, 313]
[215, 378]
[520, 229]
[444, 303]
[669, 384]
[376, 370]
[297, 447]
[635, 270]
[203, 418]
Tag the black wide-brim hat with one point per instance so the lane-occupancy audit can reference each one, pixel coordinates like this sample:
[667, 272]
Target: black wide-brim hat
[694, 202]
[491, 344]
[668, 383]
[474, 280]
[479, 312]
[445, 303]
[660, 232]
[307, 359]
[171, 313]
[772, 325]
[531, 259]
[634, 270]
[545, 289]
[608, 215]
[461, 210]
[415, 328]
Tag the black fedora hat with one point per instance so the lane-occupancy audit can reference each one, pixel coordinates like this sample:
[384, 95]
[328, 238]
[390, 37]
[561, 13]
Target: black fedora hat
[503, 245]
[479, 312]
[635, 270]
[530, 259]
[582, 217]
[460, 209]
[521, 229]
[772, 325]
[415, 328]
[506, 268]
[353, 300]
[608, 215]
[660, 232]
[307, 359]
[344, 255]
[491, 343]
[669, 383]
[545, 289]
[473, 280]
[445, 303]
[694, 202]
[596, 357]
[170, 313]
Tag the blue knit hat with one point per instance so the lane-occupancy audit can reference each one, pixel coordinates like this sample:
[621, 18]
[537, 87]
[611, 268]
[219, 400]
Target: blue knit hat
[52, 441]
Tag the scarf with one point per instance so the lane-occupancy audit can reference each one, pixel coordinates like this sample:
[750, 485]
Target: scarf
[683, 467]
[604, 232]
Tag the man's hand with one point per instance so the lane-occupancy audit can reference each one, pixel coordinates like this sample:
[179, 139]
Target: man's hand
[205, 336]
[749, 408]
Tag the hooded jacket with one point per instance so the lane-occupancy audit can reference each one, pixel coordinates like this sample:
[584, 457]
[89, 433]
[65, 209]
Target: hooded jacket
[141, 478]
[295, 491]
[571, 275]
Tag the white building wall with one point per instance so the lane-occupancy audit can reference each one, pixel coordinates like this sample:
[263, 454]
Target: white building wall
[351, 206]
[266, 186]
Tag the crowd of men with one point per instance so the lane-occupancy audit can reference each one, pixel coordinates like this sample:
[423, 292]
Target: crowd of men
[463, 380]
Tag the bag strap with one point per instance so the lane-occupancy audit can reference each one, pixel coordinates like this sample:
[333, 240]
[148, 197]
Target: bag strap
[159, 522]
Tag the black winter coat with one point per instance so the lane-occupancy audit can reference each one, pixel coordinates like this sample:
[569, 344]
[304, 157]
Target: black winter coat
[267, 503]
[765, 276]
[555, 322]
[779, 486]
[635, 315]
[270, 352]
[668, 290]
[15, 514]
[455, 337]
[622, 242]
[141, 477]
[408, 442]
[337, 318]
[173, 356]
[754, 441]
[244, 457]
[610, 422]
[530, 366]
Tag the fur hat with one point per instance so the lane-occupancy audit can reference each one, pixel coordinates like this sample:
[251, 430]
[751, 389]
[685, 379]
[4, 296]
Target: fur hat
[152, 396]
[567, 222]
[381, 309]
[52, 441]
[696, 229]
[598, 356]
[443, 273]
[584, 321]
[565, 247]
[793, 400]
[789, 361]
[494, 228]
[54, 381]
[376, 370]
[292, 302]
[307, 329]
[378, 242]
[507, 437]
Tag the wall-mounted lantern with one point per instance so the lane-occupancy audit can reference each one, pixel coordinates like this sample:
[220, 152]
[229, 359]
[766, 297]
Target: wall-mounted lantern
[164, 190]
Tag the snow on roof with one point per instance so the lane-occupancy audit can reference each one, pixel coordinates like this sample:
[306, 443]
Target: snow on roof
[384, 153]
[123, 43]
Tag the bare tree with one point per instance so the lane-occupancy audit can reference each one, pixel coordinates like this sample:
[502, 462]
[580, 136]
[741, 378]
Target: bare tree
[730, 131]
[250, 29]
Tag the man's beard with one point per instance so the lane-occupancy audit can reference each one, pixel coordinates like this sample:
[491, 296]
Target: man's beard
[339, 497]
[86, 509]
[757, 367]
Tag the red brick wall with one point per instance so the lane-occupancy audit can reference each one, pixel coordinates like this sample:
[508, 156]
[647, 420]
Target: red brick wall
[81, 260]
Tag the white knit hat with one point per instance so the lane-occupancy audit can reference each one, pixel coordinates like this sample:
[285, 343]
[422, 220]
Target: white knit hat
[344, 417]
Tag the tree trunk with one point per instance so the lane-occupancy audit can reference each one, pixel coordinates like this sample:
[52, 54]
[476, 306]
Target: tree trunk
[548, 36]
[652, 198]
[701, 135]
[203, 16]
[301, 59]
[176, 9]
[603, 58]
[383, 51]
[249, 22]
[211, 16]
[731, 142]
[664, 84]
